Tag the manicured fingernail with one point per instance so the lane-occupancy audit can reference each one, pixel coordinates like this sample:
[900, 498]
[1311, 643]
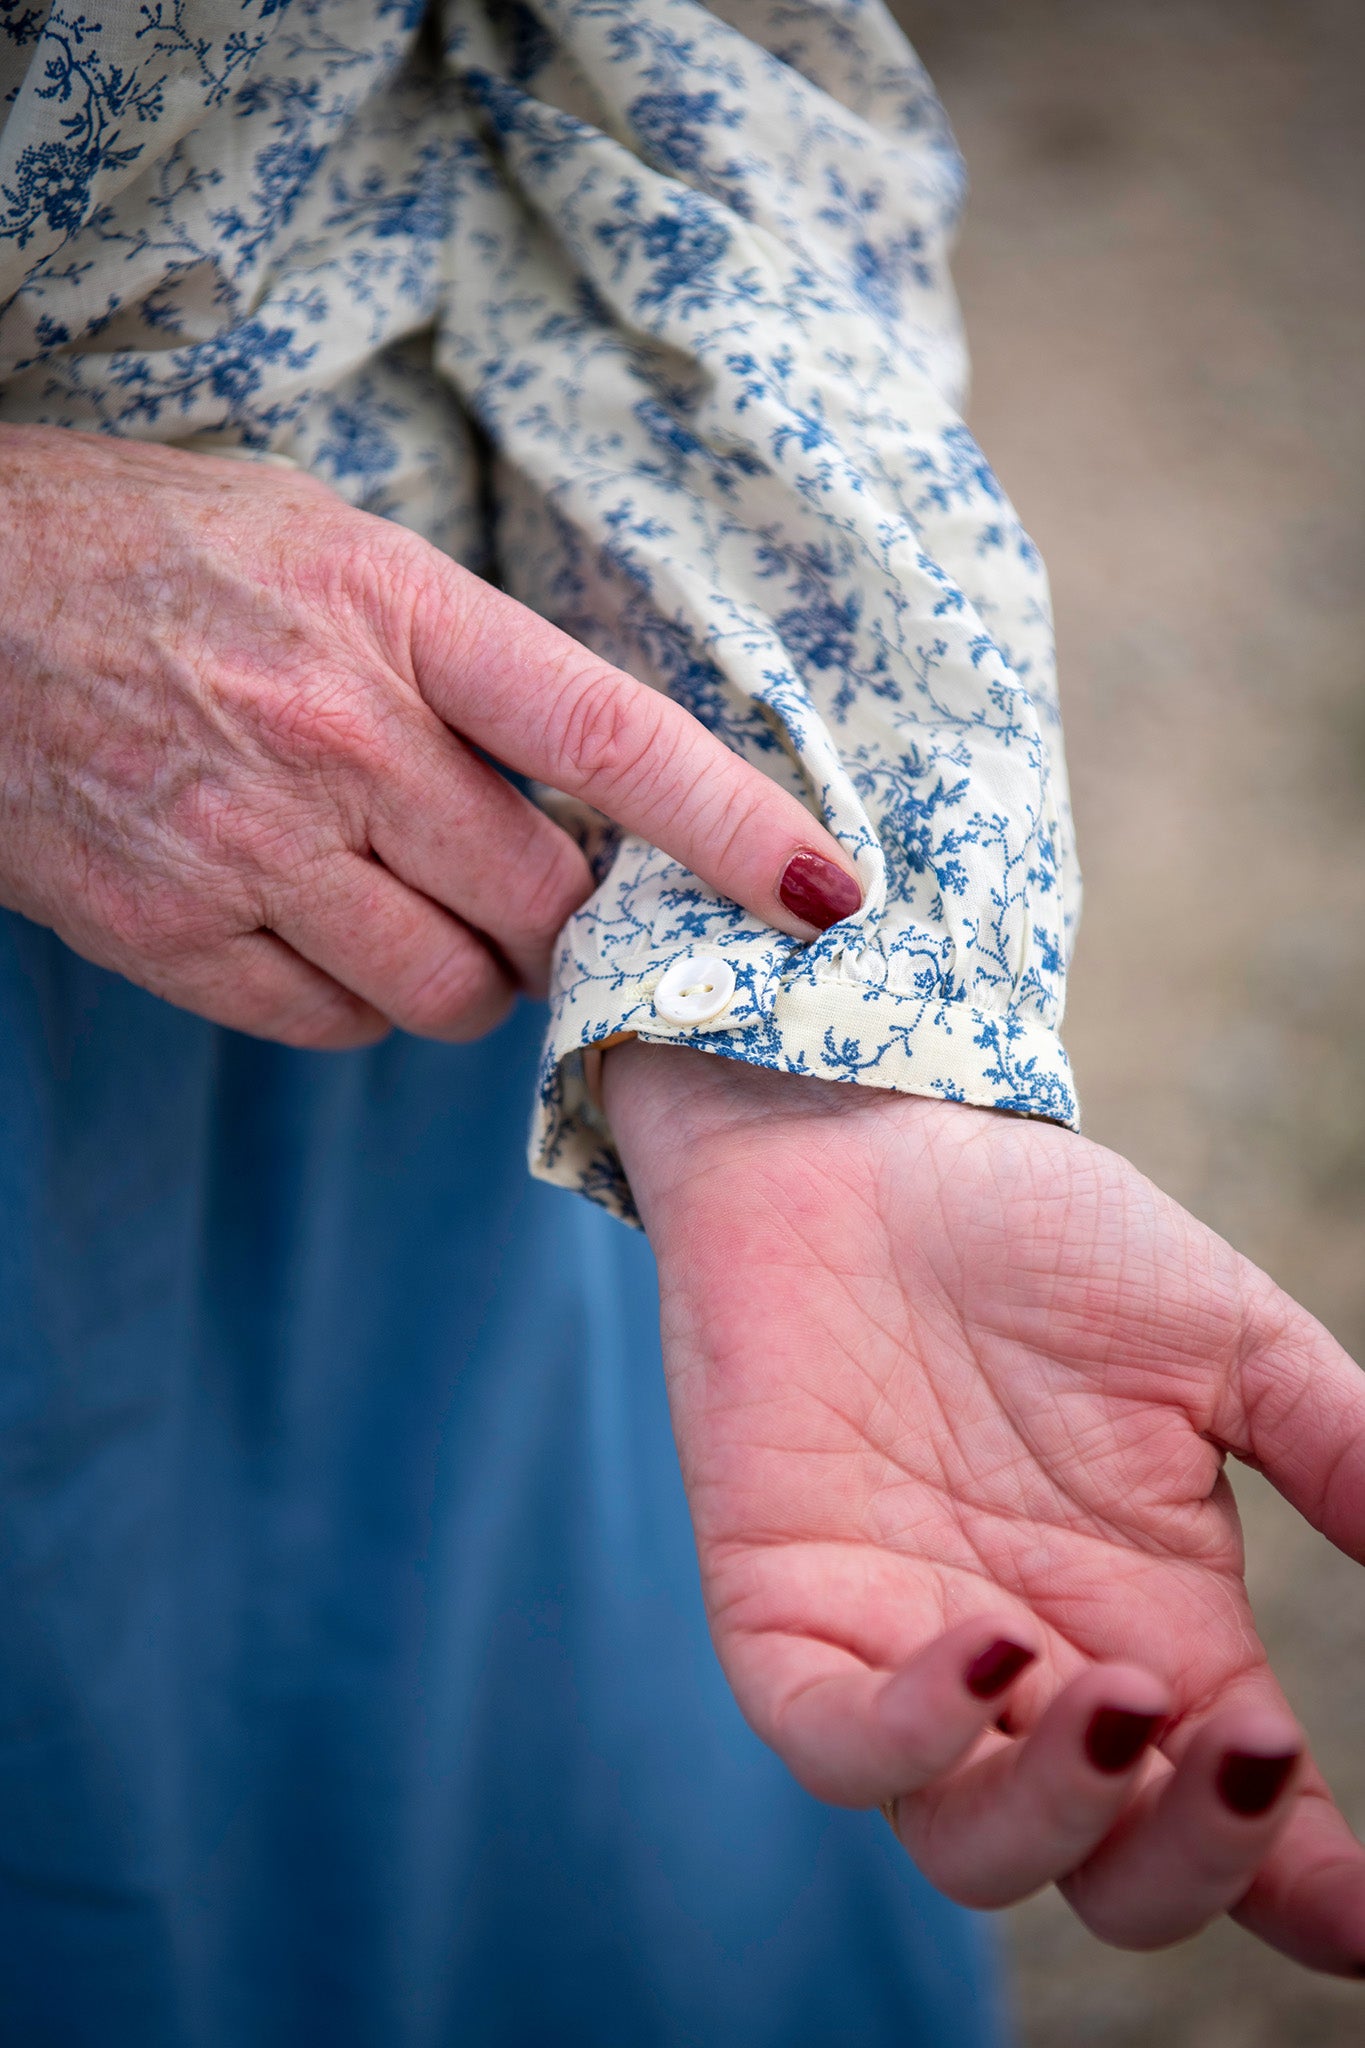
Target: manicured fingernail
[1117, 1737]
[815, 889]
[995, 1668]
[1251, 1784]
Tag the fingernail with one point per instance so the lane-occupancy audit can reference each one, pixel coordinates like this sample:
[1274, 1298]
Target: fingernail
[815, 889]
[995, 1668]
[1117, 1737]
[1251, 1784]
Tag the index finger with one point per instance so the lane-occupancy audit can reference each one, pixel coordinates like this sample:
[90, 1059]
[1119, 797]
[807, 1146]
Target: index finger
[545, 705]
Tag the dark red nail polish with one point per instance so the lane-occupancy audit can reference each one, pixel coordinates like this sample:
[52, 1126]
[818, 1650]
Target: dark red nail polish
[1117, 1737]
[995, 1668]
[1251, 1784]
[813, 888]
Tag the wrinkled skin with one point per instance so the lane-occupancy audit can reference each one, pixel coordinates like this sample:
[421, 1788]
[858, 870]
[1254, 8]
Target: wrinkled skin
[941, 1376]
[239, 734]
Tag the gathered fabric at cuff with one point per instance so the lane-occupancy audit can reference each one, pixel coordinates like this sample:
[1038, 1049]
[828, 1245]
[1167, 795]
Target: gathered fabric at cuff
[830, 1010]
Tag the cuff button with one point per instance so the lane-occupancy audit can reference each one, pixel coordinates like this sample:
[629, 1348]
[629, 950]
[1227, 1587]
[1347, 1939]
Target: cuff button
[695, 989]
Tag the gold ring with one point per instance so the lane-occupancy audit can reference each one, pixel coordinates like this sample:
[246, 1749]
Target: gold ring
[888, 1814]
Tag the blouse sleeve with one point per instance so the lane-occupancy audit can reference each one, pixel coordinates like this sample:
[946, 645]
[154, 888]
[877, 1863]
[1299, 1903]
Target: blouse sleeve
[698, 302]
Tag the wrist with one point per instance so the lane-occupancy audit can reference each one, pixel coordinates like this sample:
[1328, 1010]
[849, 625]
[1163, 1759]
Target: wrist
[640, 1077]
[676, 1112]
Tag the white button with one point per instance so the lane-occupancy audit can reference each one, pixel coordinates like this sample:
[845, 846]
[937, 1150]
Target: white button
[695, 989]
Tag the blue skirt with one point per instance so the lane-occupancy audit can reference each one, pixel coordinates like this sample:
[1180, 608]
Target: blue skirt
[355, 1688]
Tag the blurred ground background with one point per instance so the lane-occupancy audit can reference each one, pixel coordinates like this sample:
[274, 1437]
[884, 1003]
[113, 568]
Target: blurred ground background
[1164, 282]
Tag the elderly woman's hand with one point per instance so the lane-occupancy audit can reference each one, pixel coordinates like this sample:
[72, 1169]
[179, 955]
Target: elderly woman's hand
[237, 733]
[951, 1388]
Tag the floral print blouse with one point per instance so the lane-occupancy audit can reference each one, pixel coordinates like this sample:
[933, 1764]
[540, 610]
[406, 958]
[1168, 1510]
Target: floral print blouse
[642, 306]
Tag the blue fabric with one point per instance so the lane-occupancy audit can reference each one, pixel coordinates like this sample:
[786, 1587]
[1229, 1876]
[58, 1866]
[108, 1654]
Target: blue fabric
[356, 1688]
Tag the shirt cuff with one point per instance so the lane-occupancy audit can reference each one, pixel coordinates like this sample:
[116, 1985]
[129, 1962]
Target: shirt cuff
[698, 972]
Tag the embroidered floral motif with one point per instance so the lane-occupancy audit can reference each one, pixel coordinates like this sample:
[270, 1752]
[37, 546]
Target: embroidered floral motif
[684, 268]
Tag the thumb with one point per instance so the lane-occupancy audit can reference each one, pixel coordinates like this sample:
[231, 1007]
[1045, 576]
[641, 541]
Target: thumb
[1294, 1404]
[545, 705]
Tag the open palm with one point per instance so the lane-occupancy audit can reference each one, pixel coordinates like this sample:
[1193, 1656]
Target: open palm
[950, 1387]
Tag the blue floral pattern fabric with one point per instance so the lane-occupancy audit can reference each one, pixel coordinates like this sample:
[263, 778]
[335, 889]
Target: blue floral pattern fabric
[665, 286]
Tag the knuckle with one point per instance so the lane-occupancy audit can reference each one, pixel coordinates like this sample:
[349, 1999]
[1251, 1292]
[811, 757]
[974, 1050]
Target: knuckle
[395, 576]
[478, 1021]
[330, 555]
[966, 1889]
[970, 1879]
[949, 1874]
[326, 1022]
[1116, 1928]
[154, 925]
[609, 736]
[1068, 1817]
[953, 1864]
[1127, 1917]
[449, 998]
[551, 883]
[282, 858]
[231, 842]
[323, 722]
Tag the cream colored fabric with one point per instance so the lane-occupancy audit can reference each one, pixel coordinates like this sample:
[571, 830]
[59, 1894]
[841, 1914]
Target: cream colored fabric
[684, 269]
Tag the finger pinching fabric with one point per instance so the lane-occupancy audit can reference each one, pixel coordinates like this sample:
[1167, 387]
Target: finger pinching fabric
[686, 268]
